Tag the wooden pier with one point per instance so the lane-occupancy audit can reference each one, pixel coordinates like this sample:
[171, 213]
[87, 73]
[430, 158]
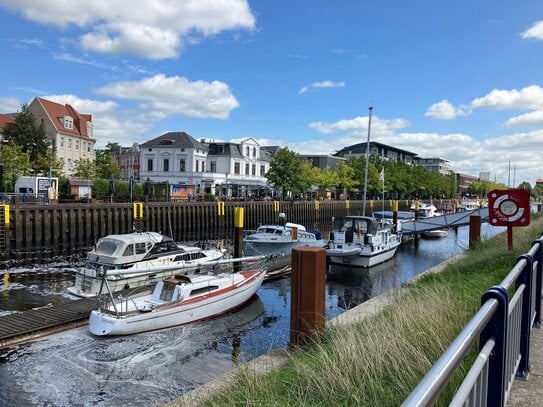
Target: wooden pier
[35, 323]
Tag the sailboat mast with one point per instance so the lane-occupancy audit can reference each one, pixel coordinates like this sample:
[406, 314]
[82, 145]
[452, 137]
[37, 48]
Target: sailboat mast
[367, 162]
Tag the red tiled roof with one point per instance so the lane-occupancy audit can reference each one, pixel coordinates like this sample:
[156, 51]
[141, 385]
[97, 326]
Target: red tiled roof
[5, 119]
[57, 112]
[539, 181]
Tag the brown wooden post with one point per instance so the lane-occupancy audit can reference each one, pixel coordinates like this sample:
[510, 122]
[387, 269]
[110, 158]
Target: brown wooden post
[474, 231]
[308, 285]
[394, 215]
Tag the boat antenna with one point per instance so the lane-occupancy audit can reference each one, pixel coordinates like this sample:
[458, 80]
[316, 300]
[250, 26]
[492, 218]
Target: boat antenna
[367, 162]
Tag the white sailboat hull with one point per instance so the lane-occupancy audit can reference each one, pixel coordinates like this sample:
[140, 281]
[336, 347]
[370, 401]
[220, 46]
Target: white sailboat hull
[105, 323]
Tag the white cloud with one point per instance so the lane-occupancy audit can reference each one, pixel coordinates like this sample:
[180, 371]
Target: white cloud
[164, 96]
[534, 118]
[530, 97]
[152, 29]
[322, 84]
[359, 125]
[535, 31]
[445, 110]
[9, 105]
[84, 106]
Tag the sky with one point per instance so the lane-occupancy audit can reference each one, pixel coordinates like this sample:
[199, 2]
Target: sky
[460, 80]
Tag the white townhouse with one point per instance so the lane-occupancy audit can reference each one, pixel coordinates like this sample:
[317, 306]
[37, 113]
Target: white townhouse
[195, 167]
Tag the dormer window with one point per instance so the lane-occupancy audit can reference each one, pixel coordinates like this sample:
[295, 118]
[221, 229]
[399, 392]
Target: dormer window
[165, 142]
[68, 123]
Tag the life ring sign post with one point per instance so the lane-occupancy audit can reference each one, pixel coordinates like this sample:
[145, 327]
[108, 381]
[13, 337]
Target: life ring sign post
[509, 207]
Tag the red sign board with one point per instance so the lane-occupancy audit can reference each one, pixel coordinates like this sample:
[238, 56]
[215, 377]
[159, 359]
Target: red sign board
[510, 207]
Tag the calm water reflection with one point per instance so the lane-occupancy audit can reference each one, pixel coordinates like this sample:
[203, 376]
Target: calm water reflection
[75, 368]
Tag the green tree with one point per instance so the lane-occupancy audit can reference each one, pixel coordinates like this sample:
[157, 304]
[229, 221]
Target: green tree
[27, 134]
[85, 168]
[285, 171]
[16, 163]
[344, 176]
[107, 165]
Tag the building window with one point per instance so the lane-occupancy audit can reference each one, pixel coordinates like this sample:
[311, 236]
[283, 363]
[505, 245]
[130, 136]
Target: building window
[262, 170]
[247, 169]
[197, 165]
[247, 151]
[70, 164]
[182, 165]
[236, 168]
[254, 151]
[89, 147]
[68, 123]
[166, 165]
[61, 142]
[213, 166]
[203, 165]
[253, 170]
[69, 142]
[149, 164]
[77, 145]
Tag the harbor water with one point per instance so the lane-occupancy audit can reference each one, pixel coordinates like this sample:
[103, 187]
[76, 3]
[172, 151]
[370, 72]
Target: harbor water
[74, 368]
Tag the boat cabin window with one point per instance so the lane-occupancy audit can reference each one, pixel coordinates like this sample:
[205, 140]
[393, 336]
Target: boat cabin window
[167, 291]
[203, 290]
[164, 247]
[197, 255]
[106, 246]
[129, 250]
[140, 248]
[182, 257]
[287, 233]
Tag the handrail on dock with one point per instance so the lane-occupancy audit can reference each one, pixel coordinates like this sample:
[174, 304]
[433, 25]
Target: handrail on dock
[503, 325]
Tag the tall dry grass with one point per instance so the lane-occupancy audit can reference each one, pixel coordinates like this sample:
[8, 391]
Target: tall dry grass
[378, 361]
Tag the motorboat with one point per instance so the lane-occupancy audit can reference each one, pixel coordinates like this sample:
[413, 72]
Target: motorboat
[176, 300]
[386, 219]
[279, 239]
[141, 259]
[428, 210]
[362, 242]
[469, 205]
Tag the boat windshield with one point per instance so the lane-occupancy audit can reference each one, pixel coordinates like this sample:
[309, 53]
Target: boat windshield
[107, 246]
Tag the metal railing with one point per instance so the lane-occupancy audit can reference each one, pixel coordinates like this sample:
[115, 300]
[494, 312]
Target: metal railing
[508, 313]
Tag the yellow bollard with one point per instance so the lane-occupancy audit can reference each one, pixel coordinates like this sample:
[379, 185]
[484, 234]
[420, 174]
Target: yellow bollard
[347, 204]
[137, 208]
[220, 208]
[6, 213]
[317, 204]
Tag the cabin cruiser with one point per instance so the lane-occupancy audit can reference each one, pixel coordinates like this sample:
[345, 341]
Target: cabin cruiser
[139, 259]
[280, 240]
[363, 242]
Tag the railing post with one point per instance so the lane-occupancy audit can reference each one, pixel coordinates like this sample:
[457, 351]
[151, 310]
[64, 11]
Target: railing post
[527, 312]
[496, 329]
[538, 283]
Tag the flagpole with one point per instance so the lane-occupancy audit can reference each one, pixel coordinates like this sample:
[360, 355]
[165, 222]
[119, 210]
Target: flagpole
[367, 162]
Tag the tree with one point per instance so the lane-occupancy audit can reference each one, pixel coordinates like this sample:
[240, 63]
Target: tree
[27, 134]
[16, 163]
[284, 171]
[85, 168]
[107, 165]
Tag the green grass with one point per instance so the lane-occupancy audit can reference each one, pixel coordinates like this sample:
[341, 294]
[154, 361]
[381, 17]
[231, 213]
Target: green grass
[379, 360]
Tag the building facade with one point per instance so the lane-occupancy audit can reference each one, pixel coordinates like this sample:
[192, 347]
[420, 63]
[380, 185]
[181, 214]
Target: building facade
[435, 164]
[380, 150]
[195, 168]
[69, 132]
[129, 162]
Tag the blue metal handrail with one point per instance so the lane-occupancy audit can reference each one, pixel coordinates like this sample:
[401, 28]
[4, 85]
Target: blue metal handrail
[503, 327]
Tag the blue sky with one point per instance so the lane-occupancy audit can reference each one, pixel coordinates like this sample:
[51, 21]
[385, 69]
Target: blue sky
[460, 80]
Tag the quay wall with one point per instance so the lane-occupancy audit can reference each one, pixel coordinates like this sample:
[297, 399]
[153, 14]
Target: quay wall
[33, 233]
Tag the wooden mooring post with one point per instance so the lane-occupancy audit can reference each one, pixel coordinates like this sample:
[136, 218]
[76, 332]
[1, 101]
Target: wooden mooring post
[474, 231]
[308, 286]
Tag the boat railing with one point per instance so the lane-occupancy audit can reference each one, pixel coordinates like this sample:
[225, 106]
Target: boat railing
[503, 324]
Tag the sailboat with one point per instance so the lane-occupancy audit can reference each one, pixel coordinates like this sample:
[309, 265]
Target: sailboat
[361, 241]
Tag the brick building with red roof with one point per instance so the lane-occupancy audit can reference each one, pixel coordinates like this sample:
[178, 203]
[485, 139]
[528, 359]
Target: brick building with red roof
[70, 132]
[5, 120]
